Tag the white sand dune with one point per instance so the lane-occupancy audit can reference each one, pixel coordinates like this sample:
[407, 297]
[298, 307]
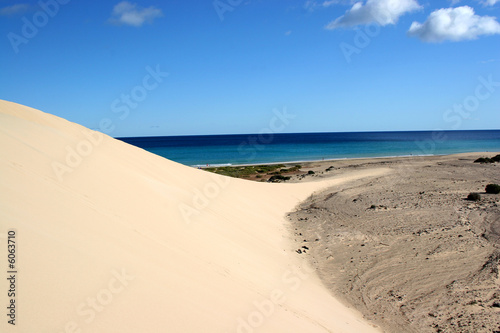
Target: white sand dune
[115, 239]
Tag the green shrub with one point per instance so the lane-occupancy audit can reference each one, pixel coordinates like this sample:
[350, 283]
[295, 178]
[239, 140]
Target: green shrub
[474, 196]
[278, 178]
[245, 171]
[492, 188]
[310, 172]
[496, 158]
[292, 169]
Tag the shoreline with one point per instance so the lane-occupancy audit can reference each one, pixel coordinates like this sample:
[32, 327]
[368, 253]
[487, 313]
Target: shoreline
[333, 160]
[407, 250]
[294, 172]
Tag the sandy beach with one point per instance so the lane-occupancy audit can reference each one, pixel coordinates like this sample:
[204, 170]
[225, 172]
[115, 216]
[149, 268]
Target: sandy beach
[109, 237]
[407, 249]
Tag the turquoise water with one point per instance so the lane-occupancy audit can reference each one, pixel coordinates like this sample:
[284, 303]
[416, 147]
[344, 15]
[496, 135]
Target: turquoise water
[271, 148]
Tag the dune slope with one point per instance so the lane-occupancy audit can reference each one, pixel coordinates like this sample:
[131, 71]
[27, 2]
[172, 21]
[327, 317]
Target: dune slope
[111, 238]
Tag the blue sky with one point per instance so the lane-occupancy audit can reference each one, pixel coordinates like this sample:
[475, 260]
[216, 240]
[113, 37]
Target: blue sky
[177, 67]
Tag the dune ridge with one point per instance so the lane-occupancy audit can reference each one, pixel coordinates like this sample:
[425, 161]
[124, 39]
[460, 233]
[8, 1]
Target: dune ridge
[111, 238]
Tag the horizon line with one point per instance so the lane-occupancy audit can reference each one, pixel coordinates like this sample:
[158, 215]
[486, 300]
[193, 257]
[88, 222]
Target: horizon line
[235, 134]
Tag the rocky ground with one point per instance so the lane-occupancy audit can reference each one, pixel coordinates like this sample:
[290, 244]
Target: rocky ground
[407, 249]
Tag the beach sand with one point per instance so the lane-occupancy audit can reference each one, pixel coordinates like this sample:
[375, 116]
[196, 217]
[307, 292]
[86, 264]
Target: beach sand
[111, 238]
[407, 249]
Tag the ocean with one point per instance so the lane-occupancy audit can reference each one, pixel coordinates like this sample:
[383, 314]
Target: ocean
[219, 150]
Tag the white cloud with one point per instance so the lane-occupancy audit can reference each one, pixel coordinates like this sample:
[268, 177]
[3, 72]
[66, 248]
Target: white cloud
[329, 3]
[130, 14]
[484, 2]
[454, 24]
[489, 2]
[489, 61]
[14, 9]
[382, 12]
[310, 5]
[313, 4]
